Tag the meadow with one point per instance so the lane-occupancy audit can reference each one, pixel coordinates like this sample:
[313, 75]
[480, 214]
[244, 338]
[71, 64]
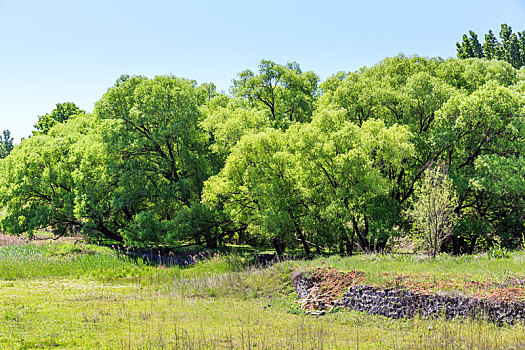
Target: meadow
[82, 296]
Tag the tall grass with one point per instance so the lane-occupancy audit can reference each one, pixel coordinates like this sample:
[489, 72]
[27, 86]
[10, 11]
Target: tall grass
[75, 296]
[52, 261]
[76, 316]
[103, 264]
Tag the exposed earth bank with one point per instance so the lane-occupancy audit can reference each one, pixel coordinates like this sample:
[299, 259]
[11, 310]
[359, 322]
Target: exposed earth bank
[322, 290]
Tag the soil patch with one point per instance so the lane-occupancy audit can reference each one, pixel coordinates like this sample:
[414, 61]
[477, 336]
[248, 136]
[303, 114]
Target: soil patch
[407, 295]
[322, 287]
[510, 290]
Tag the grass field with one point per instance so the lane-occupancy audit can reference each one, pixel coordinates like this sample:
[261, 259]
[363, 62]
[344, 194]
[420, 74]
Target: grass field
[80, 296]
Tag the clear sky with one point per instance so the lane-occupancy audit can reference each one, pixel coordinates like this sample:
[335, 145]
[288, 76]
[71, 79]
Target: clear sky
[71, 50]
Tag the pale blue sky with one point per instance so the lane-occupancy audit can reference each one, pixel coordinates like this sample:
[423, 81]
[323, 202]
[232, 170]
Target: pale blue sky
[65, 50]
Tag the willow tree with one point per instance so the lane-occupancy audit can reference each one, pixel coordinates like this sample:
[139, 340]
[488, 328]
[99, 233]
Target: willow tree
[285, 92]
[37, 186]
[61, 113]
[160, 159]
[420, 94]
[257, 189]
[287, 186]
[341, 171]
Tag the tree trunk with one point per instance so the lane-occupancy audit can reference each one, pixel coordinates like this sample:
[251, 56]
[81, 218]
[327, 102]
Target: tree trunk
[362, 240]
[301, 236]
[278, 245]
[109, 234]
[341, 246]
[211, 242]
[317, 247]
[472, 244]
[349, 243]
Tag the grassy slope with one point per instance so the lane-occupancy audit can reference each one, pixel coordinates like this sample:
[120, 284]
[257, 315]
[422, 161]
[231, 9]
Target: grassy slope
[469, 274]
[81, 296]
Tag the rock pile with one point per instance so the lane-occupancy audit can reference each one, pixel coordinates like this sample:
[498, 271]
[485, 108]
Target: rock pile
[402, 303]
[323, 287]
[301, 285]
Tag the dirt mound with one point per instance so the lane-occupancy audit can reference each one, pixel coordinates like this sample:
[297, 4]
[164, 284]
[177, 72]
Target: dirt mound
[405, 295]
[503, 294]
[324, 286]
[509, 290]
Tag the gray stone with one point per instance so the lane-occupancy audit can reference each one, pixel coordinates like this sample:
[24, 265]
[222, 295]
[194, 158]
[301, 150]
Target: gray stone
[403, 303]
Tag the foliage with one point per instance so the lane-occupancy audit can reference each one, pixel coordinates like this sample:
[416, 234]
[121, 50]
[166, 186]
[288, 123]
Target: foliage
[433, 208]
[61, 113]
[36, 180]
[159, 159]
[280, 162]
[228, 124]
[459, 112]
[6, 144]
[285, 92]
[497, 251]
[282, 185]
[511, 48]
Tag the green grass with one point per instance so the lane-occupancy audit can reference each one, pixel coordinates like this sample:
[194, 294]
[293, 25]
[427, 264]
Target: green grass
[101, 264]
[65, 296]
[382, 269]
[475, 265]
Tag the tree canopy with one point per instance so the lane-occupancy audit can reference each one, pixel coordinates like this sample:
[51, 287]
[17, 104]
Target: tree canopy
[283, 161]
[285, 92]
[6, 144]
[61, 113]
[510, 49]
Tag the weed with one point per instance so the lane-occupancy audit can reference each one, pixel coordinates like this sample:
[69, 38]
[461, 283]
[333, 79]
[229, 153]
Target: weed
[498, 252]
[88, 297]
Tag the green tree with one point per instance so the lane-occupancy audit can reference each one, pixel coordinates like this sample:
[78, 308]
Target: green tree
[6, 144]
[465, 49]
[485, 127]
[511, 49]
[433, 209]
[419, 93]
[166, 162]
[257, 189]
[133, 173]
[293, 185]
[229, 123]
[342, 172]
[491, 47]
[61, 113]
[285, 92]
[470, 47]
[160, 158]
[37, 188]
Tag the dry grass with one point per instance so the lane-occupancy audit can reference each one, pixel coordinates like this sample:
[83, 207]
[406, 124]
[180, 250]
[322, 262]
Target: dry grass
[7, 240]
[42, 238]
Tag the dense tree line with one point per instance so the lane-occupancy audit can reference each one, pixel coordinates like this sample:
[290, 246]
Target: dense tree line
[510, 49]
[282, 160]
